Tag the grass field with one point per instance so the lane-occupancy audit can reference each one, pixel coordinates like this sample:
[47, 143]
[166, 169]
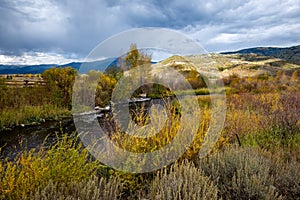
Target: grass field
[256, 157]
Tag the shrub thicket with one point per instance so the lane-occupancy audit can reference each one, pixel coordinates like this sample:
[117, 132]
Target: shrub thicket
[64, 162]
[182, 181]
[92, 189]
[241, 174]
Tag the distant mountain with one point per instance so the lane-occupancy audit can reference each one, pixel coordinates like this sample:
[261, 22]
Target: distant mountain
[289, 54]
[24, 69]
[85, 67]
[82, 67]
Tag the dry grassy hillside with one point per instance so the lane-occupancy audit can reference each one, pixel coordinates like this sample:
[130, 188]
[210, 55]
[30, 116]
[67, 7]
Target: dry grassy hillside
[242, 65]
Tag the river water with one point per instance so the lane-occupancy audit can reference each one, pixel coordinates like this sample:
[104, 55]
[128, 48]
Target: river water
[32, 136]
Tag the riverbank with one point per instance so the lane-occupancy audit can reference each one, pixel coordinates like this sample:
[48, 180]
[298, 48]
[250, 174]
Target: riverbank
[34, 115]
[28, 115]
[259, 144]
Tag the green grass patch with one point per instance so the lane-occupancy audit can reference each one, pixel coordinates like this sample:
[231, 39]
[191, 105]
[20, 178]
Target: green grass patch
[272, 139]
[25, 115]
[200, 91]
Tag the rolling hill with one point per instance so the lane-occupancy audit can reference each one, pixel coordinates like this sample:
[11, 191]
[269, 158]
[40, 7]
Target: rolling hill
[245, 62]
[224, 65]
[289, 54]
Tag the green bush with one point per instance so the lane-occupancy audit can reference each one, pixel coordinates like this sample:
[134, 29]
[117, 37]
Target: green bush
[272, 139]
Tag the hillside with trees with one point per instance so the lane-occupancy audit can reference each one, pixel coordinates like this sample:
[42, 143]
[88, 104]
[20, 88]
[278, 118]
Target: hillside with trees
[288, 54]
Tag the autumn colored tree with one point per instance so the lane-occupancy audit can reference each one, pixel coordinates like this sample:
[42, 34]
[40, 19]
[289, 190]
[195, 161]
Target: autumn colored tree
[60, 83]
[132, 57]
[85, 89]
[106, 85]
[140, 63]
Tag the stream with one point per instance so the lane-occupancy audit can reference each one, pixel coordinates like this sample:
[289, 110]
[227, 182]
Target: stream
[13, 141]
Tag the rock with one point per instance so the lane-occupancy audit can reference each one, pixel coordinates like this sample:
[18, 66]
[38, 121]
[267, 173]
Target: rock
[97, 108]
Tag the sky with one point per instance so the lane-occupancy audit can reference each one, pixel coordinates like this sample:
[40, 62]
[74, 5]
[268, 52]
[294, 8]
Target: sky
[62, 31]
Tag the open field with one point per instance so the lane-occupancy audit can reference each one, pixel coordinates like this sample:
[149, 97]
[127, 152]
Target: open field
[23, 80]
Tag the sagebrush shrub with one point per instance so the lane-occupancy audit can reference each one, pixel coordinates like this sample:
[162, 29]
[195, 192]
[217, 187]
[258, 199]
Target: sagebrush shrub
[182, 181]
[241, 174]
[92, 189]
[287, 179]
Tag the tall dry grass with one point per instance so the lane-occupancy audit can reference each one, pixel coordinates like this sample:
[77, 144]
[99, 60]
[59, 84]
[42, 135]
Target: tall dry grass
[265, 166]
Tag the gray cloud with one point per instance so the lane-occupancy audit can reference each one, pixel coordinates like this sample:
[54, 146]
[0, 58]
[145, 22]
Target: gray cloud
[71, 27]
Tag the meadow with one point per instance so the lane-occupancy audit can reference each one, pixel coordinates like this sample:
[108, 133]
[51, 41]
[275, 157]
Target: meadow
[257, 155]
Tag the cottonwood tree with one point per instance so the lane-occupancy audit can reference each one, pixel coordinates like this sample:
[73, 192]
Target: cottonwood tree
[60, 83]
[140, 64]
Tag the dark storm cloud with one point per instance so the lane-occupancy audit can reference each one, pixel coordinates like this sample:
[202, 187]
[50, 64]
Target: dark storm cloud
[75, 27]
[27, 25]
